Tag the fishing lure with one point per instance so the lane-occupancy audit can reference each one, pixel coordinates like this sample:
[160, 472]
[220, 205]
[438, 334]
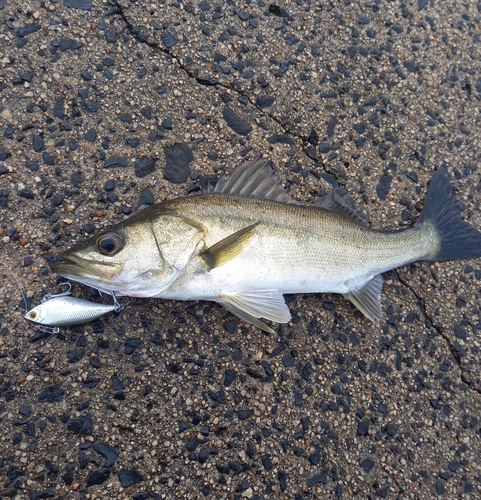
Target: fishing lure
[64, 310]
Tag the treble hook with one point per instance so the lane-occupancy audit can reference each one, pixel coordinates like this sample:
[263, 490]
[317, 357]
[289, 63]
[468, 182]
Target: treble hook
[118, 307]
[49, 296]
[48, 329]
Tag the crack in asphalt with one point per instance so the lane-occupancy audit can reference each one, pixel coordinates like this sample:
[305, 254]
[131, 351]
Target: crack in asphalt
[145, 39]
[439, 330]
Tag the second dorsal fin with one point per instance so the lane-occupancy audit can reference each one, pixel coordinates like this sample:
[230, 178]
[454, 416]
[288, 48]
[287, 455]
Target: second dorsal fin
[339, 202]
[257, 179]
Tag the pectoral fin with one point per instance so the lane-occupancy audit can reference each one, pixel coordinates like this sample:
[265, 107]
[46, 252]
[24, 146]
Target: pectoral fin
[250, 306]
[368, 298]
[228, 248]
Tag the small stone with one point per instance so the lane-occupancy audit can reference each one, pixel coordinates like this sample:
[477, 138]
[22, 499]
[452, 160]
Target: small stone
[26, 193]
[244, 414]
[235, 123]
[57, 200]
[90, 135]
[367, 465]
[51, 394]
[117, 384]
[28, 29]
[177, 158]
[208, 82]
[97, 477]
[47, 158]
[264, 102]
[6, 115]
[78, 4]
[134, 142]
[69, 44]
[115, 162]
[76, 179]
[75, 355]
[109, 185]
[144, 166]
[410, 66]
[146, 198]
[110, 454]
[32, 165]
[129, 477]
[111, 36]
[169, 40]
[82, 425]
[229, 377]
[38, 143]
[247, 493]
[422, 4]
[362, 428]
[320, 478]
[384, 184]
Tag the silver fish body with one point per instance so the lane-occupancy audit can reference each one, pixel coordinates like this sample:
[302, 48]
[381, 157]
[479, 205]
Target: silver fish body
[247, 242]
[67, 311]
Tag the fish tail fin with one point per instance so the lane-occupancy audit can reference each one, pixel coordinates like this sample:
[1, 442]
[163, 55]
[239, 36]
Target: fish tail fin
[442, 212]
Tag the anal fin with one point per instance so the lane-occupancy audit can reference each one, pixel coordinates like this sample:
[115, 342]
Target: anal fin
[228, 248]
[250, 306]
[368, 298]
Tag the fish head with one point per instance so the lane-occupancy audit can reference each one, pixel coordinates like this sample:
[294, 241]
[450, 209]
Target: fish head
[139, 257]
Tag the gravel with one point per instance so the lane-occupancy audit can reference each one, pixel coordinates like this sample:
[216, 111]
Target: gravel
[108, 107]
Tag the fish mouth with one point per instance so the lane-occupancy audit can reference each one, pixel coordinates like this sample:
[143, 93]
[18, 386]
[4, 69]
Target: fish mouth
[86, 270]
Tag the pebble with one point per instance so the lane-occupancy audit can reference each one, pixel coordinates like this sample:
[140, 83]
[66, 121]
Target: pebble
[235, 123]
[115, 162]
[144, 167]
[129, 477]
[97, 477]
[178, 159]
[78, 4]
[82, 425]
[51, 394]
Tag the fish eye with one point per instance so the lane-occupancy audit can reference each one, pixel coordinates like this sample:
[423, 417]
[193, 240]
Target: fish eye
[32, 314]
[109, 243]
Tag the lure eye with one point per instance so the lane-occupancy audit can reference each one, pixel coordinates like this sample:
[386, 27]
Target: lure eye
[109, 243]
[32, 315]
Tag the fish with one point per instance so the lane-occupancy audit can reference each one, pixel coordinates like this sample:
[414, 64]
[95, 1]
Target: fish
[64, 310]
[245, 242]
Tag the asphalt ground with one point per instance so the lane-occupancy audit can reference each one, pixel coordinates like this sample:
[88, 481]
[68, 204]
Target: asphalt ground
[109, 106]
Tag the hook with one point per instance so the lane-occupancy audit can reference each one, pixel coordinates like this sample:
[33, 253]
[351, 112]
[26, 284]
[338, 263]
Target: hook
[49, 296]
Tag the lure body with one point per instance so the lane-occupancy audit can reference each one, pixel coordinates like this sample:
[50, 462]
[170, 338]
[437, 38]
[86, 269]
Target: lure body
[64, 310]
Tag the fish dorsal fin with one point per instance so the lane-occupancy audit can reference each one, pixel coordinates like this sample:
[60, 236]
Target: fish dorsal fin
[368, 298]
[250, 306]
[228, 248]
[339, 202]
[257, 179]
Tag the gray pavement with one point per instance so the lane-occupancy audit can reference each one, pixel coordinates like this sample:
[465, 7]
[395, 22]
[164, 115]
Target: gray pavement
[108, 106]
